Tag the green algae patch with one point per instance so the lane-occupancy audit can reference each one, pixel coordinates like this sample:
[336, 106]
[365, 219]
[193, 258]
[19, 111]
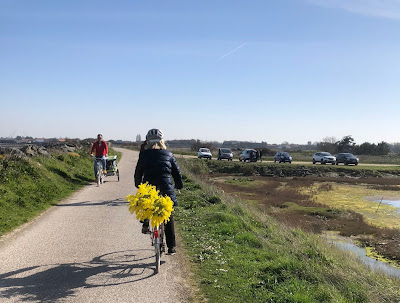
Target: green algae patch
[354, 197]
[372, 253]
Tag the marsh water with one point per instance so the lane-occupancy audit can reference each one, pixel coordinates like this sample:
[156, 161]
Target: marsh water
[395, 203]
[375, 265]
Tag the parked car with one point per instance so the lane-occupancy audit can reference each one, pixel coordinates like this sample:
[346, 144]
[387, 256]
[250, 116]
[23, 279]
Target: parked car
[347, 159]
[323, 158]
[282, 157]
[225, 153]
[204, 153]
[248, 155]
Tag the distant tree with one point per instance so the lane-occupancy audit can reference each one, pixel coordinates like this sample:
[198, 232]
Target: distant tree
[395, 148]
[345, 145]
[328, 147]
[138, 138]
[198, 144]
[365, 149]
[328, 144]
[373, 149]
[331, 139]
[267, 152]
[382, 148]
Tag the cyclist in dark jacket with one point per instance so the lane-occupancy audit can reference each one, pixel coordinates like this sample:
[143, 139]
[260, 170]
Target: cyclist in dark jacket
[156, 165]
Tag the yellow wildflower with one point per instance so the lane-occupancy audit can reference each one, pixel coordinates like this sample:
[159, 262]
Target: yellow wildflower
[149, 204]
[74, 154]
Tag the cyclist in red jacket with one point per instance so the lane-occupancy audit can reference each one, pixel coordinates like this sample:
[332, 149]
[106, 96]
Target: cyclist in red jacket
[101, 151]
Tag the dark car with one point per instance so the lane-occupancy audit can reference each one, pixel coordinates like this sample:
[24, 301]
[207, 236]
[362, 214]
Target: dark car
[225, 153]
[347, 159]
[282, 157]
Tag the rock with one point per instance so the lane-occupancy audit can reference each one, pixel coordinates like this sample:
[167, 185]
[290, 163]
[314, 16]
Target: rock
[43, 151]
[332, 175]
[29, 151]
[71, 147]
[269, 175]
[67, 148]
[15, 152]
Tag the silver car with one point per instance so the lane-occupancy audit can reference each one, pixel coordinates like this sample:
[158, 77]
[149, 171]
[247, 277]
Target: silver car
[323, 158]
[204, 153]
[248, 155]
[225, 153]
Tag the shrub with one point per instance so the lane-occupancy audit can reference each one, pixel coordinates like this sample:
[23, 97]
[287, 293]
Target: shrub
[247, 170]
[214, 200]
[248, 239]
[325, 187]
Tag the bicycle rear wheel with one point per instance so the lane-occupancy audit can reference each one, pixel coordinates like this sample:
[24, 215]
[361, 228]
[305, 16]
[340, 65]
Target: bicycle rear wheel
[162, 242]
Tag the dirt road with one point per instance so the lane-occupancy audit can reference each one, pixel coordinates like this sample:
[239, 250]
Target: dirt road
[89, 249]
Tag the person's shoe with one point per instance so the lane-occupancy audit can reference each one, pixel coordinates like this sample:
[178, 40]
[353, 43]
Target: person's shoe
[145, 229]
[171, 250]
[105, 171]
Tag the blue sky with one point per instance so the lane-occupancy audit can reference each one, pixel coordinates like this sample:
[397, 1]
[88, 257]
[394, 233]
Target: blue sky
[283, 70]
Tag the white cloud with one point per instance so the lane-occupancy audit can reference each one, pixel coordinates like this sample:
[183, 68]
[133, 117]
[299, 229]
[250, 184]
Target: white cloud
[377, 8]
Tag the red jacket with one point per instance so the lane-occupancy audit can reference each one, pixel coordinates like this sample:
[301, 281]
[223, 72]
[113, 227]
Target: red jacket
[101, 149]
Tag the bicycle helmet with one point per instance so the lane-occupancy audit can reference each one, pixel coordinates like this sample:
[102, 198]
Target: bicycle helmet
[154, 136]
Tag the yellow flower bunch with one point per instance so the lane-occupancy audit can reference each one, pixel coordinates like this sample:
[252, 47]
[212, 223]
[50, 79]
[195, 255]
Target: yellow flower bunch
[74, 154]
[149, 204]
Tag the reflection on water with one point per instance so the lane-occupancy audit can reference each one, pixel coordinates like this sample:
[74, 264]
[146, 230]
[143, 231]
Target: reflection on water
[394, 203]
[371, 262]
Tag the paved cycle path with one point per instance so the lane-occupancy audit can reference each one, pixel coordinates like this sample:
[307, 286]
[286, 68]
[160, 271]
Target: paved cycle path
[89, 249]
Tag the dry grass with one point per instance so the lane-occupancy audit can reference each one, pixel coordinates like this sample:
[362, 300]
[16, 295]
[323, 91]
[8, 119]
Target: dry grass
[385, 187]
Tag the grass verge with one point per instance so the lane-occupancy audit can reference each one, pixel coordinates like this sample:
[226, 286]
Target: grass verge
[242, 256]
[29, 186]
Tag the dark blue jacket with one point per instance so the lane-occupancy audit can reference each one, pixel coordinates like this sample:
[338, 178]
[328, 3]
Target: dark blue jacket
[156, 167]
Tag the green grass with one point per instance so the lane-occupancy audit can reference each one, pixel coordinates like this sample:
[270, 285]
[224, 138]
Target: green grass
[28, 187]
[243, 181]
[240, 255]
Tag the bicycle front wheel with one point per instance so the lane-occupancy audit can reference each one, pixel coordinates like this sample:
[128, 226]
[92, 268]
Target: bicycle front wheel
[158, 255]
[98, 181]
[98, 173]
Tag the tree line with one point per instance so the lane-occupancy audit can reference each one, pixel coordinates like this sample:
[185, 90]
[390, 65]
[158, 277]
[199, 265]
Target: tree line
[348, 145]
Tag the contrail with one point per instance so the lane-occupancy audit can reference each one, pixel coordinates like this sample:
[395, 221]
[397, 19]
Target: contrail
[232, 51]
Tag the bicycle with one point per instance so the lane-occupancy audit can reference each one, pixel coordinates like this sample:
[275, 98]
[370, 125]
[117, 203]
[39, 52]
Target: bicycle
[99, 170]
[157, 240]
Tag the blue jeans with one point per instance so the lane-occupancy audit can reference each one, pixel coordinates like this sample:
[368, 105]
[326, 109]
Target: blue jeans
[103, 161]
